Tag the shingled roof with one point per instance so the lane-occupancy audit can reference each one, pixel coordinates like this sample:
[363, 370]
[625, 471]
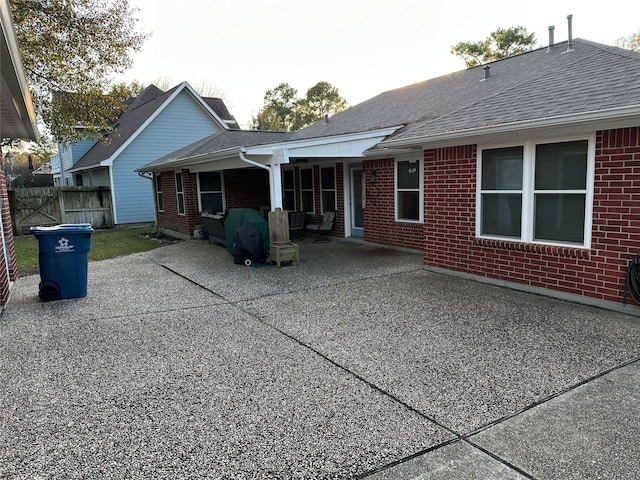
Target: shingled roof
[541, 84]
[218, 142]
[140, 109]
[549, 83]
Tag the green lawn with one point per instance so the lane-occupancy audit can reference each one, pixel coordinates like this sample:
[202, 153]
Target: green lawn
[105, 244]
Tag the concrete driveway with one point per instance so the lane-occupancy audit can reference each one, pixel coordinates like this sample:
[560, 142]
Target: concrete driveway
[356, 364]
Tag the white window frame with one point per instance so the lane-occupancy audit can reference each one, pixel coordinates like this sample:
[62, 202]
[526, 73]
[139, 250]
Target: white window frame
[290, 190]
[419, 159]
[159, 195]
[180, 194]
[334, 189]
[529, 192]
[312, 190]
[221, 191]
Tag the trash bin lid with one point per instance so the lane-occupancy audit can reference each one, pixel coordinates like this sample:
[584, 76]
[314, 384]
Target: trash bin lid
[61, 229]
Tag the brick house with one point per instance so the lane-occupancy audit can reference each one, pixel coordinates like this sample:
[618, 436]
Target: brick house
[17, 121]
[524, 172]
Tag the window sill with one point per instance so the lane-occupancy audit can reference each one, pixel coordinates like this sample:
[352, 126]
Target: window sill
[559, 251]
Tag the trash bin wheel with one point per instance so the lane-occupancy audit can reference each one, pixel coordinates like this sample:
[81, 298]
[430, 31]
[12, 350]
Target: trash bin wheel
[247, 262]
[48, 293]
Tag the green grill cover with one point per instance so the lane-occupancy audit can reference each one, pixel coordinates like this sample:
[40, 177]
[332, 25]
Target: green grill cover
[237, 217]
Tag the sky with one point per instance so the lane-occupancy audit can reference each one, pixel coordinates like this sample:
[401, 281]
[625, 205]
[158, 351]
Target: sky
[242, 48]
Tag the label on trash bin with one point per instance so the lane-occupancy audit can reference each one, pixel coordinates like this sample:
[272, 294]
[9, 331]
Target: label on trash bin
[64, 246]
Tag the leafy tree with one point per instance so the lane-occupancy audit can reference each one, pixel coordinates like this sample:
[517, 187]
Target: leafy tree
[277, 113]
[43, 150]
[499, 44]
[322, 100]
[630, 42]
[70, 49]
[283, 110]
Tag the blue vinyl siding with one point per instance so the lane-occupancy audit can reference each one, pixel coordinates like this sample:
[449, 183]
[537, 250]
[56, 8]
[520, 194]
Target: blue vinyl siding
[181, 123]
[80, 148]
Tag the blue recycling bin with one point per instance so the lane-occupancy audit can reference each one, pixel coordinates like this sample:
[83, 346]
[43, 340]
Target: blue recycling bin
[63, 258]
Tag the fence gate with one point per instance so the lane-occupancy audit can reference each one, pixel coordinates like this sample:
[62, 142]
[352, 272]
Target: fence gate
[55, 205]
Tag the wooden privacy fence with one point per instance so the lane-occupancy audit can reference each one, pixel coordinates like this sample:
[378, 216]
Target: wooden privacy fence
[43, 206]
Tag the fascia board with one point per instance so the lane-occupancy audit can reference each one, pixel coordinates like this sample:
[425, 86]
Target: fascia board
[13, 74]
[108, 162]
[204, 105]
[611, 118]
[319, 141]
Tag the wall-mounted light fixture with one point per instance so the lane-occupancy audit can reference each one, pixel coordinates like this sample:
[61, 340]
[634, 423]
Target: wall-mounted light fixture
[374, 176]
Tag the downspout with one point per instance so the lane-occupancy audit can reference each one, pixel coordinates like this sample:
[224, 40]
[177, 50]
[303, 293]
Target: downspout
[273, 181]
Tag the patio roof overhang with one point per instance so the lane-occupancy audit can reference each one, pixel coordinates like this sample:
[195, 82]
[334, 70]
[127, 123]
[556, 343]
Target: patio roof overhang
[340, 146]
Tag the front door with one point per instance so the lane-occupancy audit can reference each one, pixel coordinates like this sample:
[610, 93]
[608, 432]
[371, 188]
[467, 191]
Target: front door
[357, 224]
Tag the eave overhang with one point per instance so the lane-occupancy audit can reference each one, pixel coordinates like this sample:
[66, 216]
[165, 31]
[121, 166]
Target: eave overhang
[18, 118]
[563, 125]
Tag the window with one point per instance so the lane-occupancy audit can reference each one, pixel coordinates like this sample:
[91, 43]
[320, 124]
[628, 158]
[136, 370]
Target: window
[408, 193]
[159, 199]
[179, 194]
[211, 195]
[78, 179]
[306, 187]
[537, 192]
[288, 190]
[327, 189]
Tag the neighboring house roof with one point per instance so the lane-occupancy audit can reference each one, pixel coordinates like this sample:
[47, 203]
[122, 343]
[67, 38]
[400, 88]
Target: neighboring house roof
[218, 106]
[140, 110]
[29, 179]
[222, 141]
[17, 115]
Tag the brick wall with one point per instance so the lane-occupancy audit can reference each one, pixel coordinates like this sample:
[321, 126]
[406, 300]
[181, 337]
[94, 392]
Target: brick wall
[8, 268]
[598, 272]
[380, 225]
[244, 188]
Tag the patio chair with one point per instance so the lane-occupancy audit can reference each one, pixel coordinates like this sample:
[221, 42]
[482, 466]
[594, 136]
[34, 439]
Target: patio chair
[296, 225]
[326, 225]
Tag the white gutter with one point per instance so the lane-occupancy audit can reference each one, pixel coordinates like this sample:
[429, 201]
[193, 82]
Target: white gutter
[619, 114]
[275, 178]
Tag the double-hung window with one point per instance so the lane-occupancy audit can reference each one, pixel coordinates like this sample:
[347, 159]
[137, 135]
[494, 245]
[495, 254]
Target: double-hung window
[537, 192]
[306, 188]
[211, 193]
[408, 190]
[159, 199]
[179, 194]
[288, 190]
[328, 189]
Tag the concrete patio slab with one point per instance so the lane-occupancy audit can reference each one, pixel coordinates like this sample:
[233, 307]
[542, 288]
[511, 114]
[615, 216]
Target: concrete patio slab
[592, 431]
[212, 267]
[451, 462]
[197, 393]
[356, 364]
[463, 353]
[122, 286]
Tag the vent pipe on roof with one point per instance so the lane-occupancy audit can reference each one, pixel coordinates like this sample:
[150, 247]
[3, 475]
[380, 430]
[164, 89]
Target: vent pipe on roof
[487, 72]
[551, 41]
[570, 43]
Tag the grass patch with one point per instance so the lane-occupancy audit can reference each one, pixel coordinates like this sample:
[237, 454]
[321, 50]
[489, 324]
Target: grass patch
[105, 244]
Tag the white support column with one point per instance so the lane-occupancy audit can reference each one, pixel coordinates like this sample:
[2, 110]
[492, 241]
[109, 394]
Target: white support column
[280, 156]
